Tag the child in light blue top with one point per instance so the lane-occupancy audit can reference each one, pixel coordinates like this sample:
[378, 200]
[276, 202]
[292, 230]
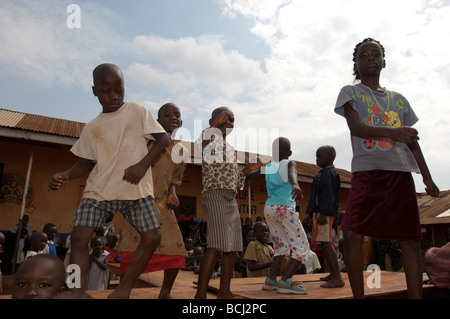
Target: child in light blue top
[279, 188]
[286, 230]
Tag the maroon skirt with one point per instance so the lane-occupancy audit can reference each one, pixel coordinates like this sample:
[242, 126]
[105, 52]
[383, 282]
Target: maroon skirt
[383, 204]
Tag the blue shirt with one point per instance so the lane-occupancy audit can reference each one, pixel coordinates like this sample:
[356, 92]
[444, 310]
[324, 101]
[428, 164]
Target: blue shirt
[279, 189]
[325, 193]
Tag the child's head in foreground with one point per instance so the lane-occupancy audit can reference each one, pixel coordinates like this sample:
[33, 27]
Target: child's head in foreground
[39, 277]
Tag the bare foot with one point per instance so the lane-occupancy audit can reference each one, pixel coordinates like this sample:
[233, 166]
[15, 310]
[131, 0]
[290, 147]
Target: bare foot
[333, 283]
[228, 296]
[165, 296]
[327, 278]
[117, 294]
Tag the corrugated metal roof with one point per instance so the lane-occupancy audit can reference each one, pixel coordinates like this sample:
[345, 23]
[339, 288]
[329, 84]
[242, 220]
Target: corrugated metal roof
[10, 118]
[431, 207]
[38, 123]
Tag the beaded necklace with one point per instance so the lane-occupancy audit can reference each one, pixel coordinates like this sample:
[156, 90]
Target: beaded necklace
[378, 103]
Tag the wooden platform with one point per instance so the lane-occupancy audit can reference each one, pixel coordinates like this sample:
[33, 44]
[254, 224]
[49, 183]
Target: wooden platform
[392, 286]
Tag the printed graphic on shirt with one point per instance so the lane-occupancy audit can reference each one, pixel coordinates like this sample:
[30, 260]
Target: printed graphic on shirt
[380, 116]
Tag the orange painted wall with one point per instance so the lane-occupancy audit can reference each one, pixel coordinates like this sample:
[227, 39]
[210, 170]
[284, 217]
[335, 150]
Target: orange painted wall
[58, 207]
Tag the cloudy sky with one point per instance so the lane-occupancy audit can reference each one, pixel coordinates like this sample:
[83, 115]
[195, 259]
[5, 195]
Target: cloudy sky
[278, 64]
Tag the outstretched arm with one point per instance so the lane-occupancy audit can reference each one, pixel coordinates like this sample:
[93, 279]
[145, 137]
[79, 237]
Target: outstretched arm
[81, 167]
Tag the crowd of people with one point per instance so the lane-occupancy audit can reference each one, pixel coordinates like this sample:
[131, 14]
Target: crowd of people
[135, 174]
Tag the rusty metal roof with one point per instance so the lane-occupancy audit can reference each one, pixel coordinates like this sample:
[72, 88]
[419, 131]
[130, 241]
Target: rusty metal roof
[434, 210]
[38, 123]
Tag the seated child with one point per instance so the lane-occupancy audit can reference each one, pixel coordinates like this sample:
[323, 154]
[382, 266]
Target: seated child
[111, 248]
[40, 277]
[38, 242]
[259, 254]
[50, 230]
[194, 263]
[98, 273]
[189, 244]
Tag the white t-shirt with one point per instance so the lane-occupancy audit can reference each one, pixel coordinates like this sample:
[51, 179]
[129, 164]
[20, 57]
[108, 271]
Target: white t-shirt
[116, 141]
[373, 109]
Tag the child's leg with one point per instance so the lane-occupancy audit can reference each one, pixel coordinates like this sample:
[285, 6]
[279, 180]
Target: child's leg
[79, 243]
[226, 273]
[275, 267]
[149, 242]
[206, 268]
[331, 258]
[353, 262]
[169, 278]
[412, 264]
[291, 269]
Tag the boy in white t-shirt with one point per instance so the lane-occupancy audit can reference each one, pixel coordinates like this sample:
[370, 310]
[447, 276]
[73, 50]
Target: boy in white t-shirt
[116, 142]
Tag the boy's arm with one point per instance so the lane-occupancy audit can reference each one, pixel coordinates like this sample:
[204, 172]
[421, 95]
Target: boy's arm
[254, 265]
[292, 176]
[222, 118]
[172, 199]
[81, 167]
[402, 134]
[134, 174]
[253, 167]
[431, 187]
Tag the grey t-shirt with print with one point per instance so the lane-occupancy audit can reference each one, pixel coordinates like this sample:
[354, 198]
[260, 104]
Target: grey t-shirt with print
[373, 109]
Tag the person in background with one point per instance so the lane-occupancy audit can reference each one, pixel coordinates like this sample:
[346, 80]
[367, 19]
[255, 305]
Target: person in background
[259, 255]
[38, 242]
[51, 231]
[98, 274]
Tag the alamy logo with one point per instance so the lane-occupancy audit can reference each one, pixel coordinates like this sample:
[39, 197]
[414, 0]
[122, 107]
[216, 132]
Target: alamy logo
[74, 19]
[374, 279]
[74, 278]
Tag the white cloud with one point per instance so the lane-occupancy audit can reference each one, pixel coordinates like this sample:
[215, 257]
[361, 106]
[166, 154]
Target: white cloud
[39, 48]
[188, 63]
[311, 45]
[293, 89]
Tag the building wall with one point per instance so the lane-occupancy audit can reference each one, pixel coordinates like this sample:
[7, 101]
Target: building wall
[45, 206]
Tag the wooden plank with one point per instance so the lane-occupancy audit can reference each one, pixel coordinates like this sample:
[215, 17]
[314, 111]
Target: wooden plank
[391, 283]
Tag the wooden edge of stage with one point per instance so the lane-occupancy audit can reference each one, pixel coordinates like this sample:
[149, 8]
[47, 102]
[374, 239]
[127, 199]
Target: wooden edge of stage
[391, 285]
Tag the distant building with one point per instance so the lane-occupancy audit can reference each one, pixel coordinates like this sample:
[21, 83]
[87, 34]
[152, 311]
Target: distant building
[42, 145]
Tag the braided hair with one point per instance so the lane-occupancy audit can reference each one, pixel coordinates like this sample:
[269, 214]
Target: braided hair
[355, 54]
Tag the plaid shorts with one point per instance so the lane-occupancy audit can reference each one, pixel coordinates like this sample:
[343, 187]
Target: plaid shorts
[141, 213]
